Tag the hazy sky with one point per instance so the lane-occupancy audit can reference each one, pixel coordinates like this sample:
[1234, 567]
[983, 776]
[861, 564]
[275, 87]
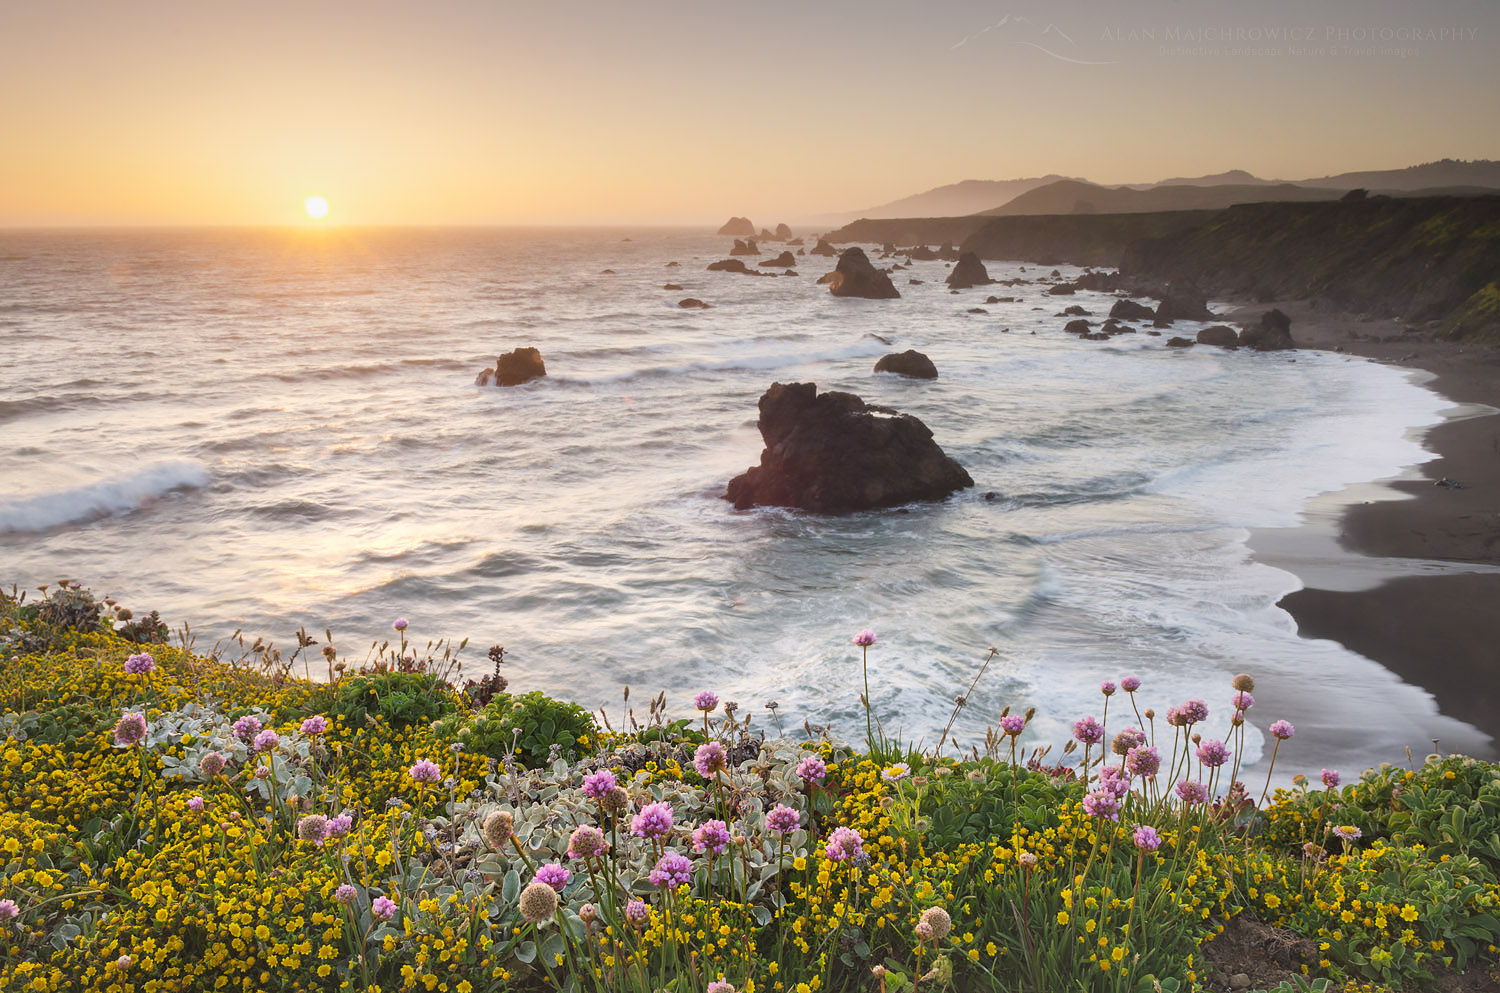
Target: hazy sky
[469, 112]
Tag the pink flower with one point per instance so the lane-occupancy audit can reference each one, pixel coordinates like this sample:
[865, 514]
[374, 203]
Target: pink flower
[400, 624]
[1330, 778]
[554, 875]
[383, 907]
[1191, 792]
[812, 770]
[706, 701]
[672, 870]
[316, 724]
[1143, 761]
[1013, 724]
[1102, 804]
[425, 771]
[637, 913]
[1130, 684]
[130, 730]
[247, 727]
[844, 843]
[1242, 700]
[653, 821]
[711, 836]
[1088, 731]
[783, 819]
[8, 910]
[587, 842]
[865, 638]
[709, 759]
[195, 804]
[1146, 838]
[266, 740]
[596, 784]
[140, 665]
[1283, 730]
[1107, 687]
[1212, 753]
[211, 764]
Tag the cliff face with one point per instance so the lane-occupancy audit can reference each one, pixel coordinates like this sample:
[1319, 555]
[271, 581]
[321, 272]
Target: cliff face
[908, 230]
[1432, 261]
[1080, 239]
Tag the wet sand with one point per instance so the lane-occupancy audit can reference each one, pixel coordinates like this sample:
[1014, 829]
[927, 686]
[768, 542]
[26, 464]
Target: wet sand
[1440, 631]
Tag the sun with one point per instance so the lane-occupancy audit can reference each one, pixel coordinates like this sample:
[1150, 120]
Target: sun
[316, 207]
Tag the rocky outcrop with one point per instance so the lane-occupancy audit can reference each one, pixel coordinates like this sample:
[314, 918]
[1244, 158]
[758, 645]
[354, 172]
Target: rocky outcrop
[823, 248]
[1062, 290]
[692, 303]
[738, 226]
[1272, 334]
[1075, 311]
[1180, 343]
[1182, 302]
[856, 277]
[513, 369]
[1219, 335]
[910, 363]
[969, 272]
[1129, 310]
[744, 247]
[783, 261]
[1079, 326]
[832, 453]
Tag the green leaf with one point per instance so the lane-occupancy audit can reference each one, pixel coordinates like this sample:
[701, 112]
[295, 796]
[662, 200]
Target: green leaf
[511, 887]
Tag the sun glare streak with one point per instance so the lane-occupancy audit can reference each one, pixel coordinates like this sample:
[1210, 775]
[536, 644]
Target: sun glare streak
[316, 207]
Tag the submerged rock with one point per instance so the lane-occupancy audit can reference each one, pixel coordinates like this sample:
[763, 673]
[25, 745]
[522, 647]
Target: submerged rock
[1220, 335]
[969, 272]
[514, 368]
[1272, 334]
[692, 303]
[1129, 310]
[857, 277]
[910, 363]
[738, 226]
[832, 453]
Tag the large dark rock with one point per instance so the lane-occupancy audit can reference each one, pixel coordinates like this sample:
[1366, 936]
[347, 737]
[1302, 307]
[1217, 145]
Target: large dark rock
[1129, 310]
[1079, 326]
[738, 226]
[1182, 302]
[1272, 334]
[908, 363]
[823, 248]
[783, 233]
[784, 261]
[515, 368]
[969, 272]
[856, 277]
[744, 247]
[1220, 335]
[1180, 342]
[692, 303]
[831, 453]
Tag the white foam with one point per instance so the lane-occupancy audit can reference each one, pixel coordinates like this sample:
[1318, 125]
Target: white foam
[115, 495]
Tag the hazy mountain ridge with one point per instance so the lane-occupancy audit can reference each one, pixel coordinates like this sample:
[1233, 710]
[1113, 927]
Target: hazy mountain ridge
[985, 196]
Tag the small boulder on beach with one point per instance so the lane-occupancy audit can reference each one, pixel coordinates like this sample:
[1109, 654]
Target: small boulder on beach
[833, 453]
[1272, 334]
[910, 363]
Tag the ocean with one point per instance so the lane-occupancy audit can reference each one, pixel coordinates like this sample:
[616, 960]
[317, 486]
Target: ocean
[262, 430]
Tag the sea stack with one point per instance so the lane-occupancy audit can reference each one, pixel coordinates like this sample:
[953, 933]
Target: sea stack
[513, 369]
[855, 276]
[832, 453]
[968, 272]
[738, 226]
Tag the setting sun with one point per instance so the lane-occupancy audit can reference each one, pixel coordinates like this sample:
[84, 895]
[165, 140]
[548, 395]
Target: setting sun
[316, 207]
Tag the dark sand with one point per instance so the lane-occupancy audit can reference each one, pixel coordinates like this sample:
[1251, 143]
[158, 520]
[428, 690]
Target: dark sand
[1440, 632]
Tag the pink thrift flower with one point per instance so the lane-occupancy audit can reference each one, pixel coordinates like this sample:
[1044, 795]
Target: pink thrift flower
[865, 638]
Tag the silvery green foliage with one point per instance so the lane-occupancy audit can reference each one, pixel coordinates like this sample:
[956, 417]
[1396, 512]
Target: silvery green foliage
[18, 727]
[549, 803]
[198, 730]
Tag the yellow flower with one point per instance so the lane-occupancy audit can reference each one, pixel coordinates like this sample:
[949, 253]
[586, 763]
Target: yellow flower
[1062, 917]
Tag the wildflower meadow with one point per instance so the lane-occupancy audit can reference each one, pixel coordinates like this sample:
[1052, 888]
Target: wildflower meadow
[182, 821]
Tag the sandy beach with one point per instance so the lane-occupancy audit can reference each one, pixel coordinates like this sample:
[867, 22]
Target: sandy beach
[1441, 630]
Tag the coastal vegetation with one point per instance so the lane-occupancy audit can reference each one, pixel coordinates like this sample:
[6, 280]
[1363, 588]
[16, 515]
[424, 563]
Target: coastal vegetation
[177, 820]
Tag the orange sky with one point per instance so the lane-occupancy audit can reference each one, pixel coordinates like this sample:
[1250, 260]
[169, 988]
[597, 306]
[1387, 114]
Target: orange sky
[157, 112]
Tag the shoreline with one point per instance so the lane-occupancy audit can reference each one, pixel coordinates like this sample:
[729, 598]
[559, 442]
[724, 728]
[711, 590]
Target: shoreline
[1410, 582]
